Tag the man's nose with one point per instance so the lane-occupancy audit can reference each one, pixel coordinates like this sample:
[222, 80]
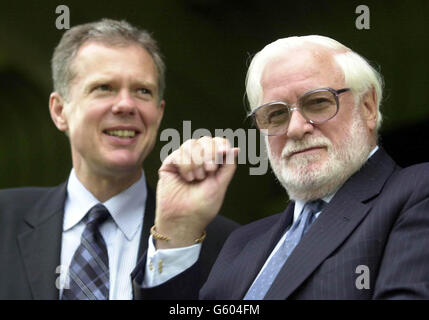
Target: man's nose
[298, 126]
[125, 104]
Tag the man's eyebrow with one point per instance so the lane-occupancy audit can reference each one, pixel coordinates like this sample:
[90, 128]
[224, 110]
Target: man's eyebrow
[95, 81]
[145, 83]
[98, 80]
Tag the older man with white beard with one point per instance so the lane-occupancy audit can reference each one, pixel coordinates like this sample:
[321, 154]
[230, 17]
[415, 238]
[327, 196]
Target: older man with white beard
[357, 226]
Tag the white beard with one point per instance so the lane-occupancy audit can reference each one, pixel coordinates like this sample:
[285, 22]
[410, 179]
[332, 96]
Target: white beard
[305, 178]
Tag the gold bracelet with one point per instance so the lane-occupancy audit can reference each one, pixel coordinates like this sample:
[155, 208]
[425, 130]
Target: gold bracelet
[159, 236]
[201, 238]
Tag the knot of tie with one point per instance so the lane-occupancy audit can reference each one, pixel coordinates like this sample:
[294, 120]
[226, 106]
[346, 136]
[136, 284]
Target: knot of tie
[312, 208]
[316, 206]
[96, 216]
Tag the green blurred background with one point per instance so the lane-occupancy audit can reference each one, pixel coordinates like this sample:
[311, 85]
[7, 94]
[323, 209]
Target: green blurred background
[207, 45]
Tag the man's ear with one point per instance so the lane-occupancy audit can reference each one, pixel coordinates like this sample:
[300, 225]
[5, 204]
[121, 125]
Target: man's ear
[161, 111]
[56, 109]
[369, 109]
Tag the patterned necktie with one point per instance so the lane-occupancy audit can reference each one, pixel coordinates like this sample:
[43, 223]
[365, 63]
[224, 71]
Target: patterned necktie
[261, 285]
[89, 267]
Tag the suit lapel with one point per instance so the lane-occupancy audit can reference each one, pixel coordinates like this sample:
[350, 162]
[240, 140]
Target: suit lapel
[149, 220]
[40, 243]
[343, 214]
[253, 256]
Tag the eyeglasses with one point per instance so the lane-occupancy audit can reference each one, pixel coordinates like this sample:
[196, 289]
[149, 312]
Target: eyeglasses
[316, 106]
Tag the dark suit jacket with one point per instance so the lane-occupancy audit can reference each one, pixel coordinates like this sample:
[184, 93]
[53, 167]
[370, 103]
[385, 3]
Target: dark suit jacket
[379, 219]
[31, 223]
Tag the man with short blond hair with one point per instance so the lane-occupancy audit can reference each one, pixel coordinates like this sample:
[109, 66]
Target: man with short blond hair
[82, 239]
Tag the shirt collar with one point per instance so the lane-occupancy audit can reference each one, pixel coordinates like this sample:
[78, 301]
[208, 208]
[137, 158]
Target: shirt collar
[299, 205]
[126, 208]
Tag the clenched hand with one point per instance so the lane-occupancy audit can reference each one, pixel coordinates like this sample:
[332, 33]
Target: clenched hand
[191, 188]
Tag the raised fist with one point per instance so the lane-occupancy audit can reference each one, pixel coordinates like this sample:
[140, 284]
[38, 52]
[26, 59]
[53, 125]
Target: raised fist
[191, 188]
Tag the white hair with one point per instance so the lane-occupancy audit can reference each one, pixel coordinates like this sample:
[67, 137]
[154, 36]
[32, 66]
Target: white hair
[359, 75]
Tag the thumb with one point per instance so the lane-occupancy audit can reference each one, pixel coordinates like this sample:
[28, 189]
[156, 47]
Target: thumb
[227, 170]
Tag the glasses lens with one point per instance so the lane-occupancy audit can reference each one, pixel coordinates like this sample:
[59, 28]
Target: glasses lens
[319, 106]
[272, 118]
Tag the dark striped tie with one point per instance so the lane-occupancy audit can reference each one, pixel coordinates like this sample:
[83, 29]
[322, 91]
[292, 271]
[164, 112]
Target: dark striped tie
[89, 267]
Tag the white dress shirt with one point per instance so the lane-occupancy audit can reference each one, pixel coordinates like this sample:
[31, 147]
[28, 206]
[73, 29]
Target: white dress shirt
[154, 277]
[121, 233]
